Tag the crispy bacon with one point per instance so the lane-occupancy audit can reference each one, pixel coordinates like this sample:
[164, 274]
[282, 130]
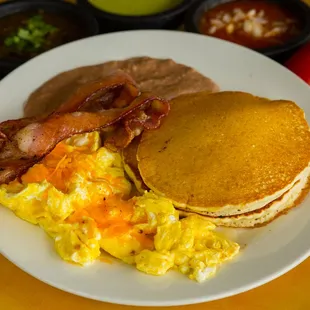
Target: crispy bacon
[114, 91]
[114, 101]
[132, 126]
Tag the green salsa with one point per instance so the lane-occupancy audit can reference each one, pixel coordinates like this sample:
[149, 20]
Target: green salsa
[135, 7]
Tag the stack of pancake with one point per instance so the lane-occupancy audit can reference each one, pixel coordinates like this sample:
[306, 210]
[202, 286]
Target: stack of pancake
[236, 159]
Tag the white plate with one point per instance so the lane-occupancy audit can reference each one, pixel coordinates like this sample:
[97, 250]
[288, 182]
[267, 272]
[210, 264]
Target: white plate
[269, 252]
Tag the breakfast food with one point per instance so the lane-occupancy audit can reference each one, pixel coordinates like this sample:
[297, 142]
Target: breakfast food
[163, 77]
[112, 101]
[255, 24]
[80, 196]
[57, 173]
[127, 173]
[237, 159]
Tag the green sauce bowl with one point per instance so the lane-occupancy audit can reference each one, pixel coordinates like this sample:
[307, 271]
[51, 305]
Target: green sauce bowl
[110, 21]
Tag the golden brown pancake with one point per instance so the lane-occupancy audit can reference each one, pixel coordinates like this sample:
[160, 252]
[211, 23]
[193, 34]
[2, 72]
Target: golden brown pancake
[163, 77]
[226, 153]
[264, 215]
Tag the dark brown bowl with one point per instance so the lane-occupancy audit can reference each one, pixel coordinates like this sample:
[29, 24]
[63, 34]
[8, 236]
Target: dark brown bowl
[279, 53]
[84, 19]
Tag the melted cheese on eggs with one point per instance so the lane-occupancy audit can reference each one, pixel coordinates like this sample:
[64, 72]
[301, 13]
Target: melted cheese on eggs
[80, 196]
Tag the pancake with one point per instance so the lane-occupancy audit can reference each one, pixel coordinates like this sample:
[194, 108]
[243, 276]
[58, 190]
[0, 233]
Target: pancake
[163, 77]
[264, 215]
[226, 153]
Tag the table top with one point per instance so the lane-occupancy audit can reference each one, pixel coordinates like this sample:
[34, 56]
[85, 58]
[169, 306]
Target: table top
[19, 291]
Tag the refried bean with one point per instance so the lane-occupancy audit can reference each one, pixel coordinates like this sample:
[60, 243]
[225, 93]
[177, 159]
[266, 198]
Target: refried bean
[163, 77]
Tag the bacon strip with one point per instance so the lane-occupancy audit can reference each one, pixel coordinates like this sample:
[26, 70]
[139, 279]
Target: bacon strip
[25, 142]
[113, 91]
[136, 122]
[38, 139]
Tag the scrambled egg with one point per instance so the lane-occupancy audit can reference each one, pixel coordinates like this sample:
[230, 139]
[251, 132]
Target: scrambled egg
[80, 196]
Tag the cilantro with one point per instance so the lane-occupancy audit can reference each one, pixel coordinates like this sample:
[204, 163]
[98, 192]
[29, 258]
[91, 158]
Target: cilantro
[31, 37]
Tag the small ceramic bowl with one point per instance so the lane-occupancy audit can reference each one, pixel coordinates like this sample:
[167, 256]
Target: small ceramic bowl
[279, 53]
[170, 19]
[83, 19]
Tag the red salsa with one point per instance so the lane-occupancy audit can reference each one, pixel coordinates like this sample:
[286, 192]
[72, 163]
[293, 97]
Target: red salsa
[253, 23]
